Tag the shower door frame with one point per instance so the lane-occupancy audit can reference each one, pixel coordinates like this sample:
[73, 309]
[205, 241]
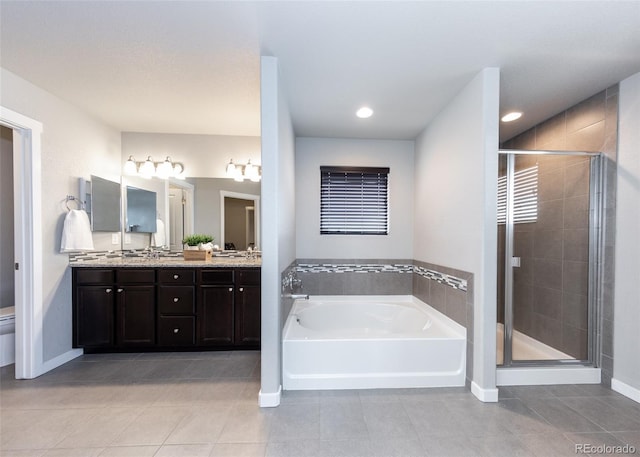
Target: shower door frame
[596, 190]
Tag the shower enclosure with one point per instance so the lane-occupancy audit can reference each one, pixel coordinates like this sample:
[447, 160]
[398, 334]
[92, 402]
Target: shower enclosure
[549, 211]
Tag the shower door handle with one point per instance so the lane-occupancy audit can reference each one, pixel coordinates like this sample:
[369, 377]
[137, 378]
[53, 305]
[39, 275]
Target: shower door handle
[515, 262]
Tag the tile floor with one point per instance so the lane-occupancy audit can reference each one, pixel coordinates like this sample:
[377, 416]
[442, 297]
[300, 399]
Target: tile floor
[205, 404]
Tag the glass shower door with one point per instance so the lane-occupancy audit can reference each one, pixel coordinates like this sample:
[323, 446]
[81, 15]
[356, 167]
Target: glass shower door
[546, 222]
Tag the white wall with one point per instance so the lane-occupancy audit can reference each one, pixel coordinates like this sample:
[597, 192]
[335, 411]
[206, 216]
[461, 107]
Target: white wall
[73, 145]
[455, 178]
[202, 155]
[626, 338]
[278, 222]
[311, 153]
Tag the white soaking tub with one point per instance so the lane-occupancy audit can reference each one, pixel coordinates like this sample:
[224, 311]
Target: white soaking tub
[362, 342]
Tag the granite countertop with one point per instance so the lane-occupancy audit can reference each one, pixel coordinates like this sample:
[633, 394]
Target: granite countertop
[168, 262]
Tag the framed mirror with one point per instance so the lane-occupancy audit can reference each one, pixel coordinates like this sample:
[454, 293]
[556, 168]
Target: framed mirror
[103, 205]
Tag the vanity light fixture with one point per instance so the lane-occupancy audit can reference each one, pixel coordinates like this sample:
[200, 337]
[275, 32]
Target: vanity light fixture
[240, 172]
[512, 116]
[364, 113]
[148, 168]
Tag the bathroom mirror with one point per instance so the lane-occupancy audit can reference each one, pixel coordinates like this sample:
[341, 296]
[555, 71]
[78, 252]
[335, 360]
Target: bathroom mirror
[141, 214]
[103, 205]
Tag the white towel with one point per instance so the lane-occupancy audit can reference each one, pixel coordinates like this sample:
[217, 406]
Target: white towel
[158, 238]
[76, 232]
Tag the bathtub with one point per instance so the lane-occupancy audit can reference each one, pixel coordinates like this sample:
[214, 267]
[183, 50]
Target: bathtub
[365, 342]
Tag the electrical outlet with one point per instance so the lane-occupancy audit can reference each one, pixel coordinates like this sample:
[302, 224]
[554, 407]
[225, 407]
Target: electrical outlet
[115, 238]
[127, 238]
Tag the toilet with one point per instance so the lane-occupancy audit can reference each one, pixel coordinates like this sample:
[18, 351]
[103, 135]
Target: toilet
[7, 336]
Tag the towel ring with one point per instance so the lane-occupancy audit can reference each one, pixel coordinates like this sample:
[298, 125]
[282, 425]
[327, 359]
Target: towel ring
[71, 198]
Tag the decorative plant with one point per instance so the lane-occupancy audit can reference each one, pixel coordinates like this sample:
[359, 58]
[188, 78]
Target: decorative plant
[196, 239]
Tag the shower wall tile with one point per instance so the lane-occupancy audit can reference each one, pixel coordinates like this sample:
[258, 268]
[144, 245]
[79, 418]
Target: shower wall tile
[574, 342]
[550, 215]
[547, 244]
[589, 139]
[548, 302]
[586, 113]
[590, 126]
[550, 131]
[547, 273]
[573, 306]
[576, 179]
[575, 277]
[550, 186]
[576, 244]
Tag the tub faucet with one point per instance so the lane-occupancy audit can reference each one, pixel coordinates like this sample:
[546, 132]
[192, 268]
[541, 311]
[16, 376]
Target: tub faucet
[297, 296]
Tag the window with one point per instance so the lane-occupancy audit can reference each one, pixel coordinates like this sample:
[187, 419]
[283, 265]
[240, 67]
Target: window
[354, 201]
[525, 198]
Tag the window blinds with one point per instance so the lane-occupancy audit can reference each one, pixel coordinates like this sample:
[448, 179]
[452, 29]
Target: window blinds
[354, 201]
[525, 197]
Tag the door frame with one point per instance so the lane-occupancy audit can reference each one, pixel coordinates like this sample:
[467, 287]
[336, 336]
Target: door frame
[594, 274]
[27, 196]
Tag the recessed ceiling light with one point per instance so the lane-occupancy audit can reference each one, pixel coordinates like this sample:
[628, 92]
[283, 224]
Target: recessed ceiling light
[512, 116]
[364, 112]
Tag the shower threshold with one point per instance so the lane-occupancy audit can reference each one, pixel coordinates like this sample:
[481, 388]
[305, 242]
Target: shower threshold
[527, 348]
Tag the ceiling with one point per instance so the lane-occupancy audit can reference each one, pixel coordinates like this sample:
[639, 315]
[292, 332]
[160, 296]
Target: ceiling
[194, 67]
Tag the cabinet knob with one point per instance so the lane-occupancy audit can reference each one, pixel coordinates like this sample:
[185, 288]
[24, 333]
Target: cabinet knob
[108, 291]
[176, 276]
[241, 289]
[176, 330]
[230, 289]
[120, 290]
[176, 299]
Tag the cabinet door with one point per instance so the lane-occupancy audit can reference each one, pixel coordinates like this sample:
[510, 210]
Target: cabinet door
[247, 315]
[215, 315]
[136, 316]
[93, 316]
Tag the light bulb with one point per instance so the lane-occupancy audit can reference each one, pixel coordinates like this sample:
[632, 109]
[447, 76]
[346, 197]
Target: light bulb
[130, 167]
[165, 169]
[148, 168]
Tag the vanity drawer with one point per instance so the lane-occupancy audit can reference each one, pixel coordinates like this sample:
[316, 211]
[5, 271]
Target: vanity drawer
[216, 276]
[94, 276]
[176, 299]
[248, 277]
[177, 331]
[136, 276]
[176, 276]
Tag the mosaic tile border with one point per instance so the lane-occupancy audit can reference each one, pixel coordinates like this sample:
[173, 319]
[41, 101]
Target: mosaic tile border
[442, 278]
[100, 255]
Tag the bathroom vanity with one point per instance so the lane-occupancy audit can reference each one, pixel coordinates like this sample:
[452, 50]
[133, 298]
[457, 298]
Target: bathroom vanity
[166, 304]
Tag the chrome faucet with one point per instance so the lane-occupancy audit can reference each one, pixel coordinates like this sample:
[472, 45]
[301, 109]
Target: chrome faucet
[297, 296]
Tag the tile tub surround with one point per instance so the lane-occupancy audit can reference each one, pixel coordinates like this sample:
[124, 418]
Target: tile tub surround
[448, 290]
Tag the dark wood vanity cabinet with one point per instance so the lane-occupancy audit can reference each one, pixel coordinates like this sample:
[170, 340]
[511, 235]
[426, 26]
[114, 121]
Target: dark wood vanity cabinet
[163, 308]
[93, 316]
[135, 307]
[247, 307]
[176, 307]
[216, 307]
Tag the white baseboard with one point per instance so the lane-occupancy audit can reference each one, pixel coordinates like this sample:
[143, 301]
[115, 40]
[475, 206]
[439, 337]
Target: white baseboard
[484, 395]
[60, 360]
[539, 376]
[269, 400]
[625, 389]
